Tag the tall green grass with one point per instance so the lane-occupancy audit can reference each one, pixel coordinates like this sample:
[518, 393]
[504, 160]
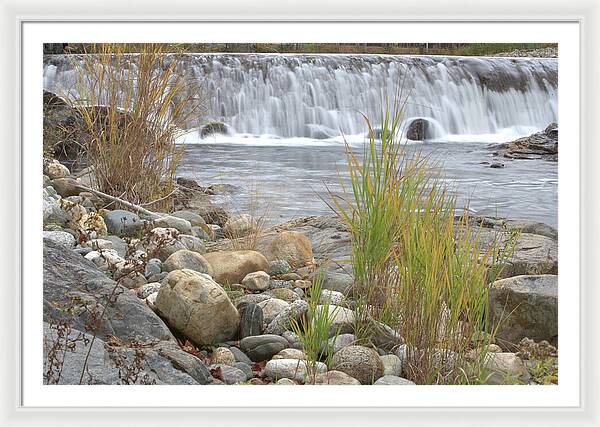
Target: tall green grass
[417, 267]
[314, 329]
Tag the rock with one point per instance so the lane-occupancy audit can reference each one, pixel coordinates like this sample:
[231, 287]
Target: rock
[66, 186]
[533, 254]
[290, 277]
[282, 321]
[232, 266]
[272, 307]
[497, 165]
[60, 237]
[291, 246]
[123, 223]
[283, 294]
[105, 260]
[252, 299]
[505, 366]
[279, 267]
[195, 219]
[303, 284]
[290, 353]
[285, 381]
[146, 290]
[240, 226]
[54, 169]
[293, 369]
[132, 280]
[185, 259]
[118, 245]
[151, 300]
[419, 130]
[299, 292]
[276, 284]
[97, 244]
[342, 319]
[257, 281]
[202, 233]
[262, 347]
[392, 365]
[291, 337]
[52, 212]
[339, 341]
[153, 266]
[335, 378]
[540, 145]
[179, 224]
[192, 243]
[531, 227]
[216, 231]
[393, 380]
[525, 306]
[359, 362]
[227, 374]
[251, 320]
[385, 337]
[197, 307]
[331, 297]
[74, 287]
[83, 251]
[246, 368]
[222, 355]
[213, 127]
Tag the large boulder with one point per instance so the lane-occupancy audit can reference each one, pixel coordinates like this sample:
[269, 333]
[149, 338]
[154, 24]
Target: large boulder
[525, 306]
[75, 294]
[291, 246]
[76, 288]
[194, 218]
[359, 362]
[232, 266]
[197, 307]
[187, 259]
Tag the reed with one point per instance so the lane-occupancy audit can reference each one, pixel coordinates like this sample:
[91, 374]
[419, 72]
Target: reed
[133, 107]
[314, 329]
[417, 267]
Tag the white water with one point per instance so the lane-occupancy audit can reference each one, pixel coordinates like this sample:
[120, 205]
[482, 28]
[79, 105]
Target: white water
[322, 96]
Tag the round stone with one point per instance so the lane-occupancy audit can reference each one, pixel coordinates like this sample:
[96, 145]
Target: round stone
[359, 362]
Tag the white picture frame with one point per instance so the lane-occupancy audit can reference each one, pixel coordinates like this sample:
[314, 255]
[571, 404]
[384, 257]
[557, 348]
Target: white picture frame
[586, 13]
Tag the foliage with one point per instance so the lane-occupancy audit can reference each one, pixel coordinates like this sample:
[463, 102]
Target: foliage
[417, 268]
[133, 108]
[314, 329]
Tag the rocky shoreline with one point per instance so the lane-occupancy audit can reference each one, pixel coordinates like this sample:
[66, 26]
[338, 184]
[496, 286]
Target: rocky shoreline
[199, 296]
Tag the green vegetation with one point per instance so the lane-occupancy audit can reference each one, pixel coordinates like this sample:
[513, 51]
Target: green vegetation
[314, 329]
[133, 109]
[417, 268]
[466, 49]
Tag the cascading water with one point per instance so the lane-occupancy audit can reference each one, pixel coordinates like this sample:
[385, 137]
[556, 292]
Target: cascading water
[323, 96]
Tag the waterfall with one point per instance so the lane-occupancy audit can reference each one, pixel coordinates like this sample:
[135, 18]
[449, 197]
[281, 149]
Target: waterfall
[322, 96]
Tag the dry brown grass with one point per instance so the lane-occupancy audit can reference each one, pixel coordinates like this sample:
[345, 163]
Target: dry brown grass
[134, 106]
